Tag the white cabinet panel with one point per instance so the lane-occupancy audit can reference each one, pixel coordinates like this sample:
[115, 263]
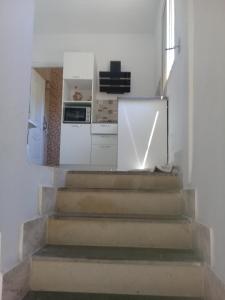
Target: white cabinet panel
[104, 155]
[75, 144]
[78, 65]
[104, 128]
[104, 139]
[142, 134]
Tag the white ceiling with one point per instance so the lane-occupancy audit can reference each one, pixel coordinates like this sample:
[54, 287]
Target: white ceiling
[96, 16]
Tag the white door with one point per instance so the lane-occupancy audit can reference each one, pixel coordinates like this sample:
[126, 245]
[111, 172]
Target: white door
[37, 127]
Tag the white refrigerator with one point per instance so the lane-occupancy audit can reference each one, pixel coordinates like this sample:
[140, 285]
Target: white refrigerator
[142, 133]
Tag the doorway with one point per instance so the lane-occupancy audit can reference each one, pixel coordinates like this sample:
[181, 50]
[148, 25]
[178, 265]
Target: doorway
[45, 116]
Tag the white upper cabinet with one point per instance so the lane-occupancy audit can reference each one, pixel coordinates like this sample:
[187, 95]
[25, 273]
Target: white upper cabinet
[78, 65]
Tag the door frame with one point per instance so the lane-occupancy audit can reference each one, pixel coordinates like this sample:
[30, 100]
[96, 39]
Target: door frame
[40, 126]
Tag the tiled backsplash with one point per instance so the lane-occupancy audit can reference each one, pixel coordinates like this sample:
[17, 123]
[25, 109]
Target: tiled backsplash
[105, 111]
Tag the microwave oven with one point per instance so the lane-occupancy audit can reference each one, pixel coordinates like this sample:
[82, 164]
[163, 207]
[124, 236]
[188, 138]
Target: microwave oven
[77, 114]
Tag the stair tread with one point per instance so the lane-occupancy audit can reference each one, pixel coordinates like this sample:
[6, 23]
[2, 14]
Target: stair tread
[127, 216]
[82, 296]
[114, 190]
[117, 254]
[123, 217]
[134, 172]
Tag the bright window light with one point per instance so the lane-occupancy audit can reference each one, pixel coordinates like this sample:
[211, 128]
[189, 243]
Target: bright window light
[170, 36]
[150, 141]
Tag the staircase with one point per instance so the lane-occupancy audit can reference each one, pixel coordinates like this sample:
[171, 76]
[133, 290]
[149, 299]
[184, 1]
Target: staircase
[118, 235]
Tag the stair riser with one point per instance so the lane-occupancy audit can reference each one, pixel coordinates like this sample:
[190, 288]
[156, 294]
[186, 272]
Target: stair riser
[69, 202]
[94, 277]
[116, 181]
[119, 233]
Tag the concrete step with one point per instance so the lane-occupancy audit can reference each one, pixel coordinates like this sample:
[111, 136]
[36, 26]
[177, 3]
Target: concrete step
[123, 216]
[122, 180]
[117, 271]
[106, 201]
[79, 296]
[118, 254]
[120, 232]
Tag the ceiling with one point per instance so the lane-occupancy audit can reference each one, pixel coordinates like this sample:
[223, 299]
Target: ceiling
[96, 16]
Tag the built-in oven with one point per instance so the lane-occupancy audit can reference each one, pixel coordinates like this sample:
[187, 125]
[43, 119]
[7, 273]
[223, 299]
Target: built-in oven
[76, 113]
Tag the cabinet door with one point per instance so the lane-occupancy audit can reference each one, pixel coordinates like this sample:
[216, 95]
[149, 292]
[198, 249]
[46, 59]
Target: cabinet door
[104, 155]
[103, 139]
[75, 144]
[104, 128]
[78, 65]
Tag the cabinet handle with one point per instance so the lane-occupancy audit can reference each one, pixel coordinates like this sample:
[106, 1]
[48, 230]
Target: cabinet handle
[105, 147]
[75, 77]
[76, 126]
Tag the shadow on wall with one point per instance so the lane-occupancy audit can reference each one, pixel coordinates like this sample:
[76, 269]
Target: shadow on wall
[0, 286]
[0, 269]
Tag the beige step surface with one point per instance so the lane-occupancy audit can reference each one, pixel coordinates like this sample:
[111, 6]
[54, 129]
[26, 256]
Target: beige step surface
[105, 201]
[153, 273]
[120, 232]
[122, 180]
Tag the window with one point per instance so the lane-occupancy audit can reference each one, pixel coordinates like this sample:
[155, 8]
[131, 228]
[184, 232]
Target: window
[170, 36]
[168, 39]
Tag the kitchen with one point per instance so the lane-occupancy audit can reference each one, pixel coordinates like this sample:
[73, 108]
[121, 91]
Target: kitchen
[112, 116]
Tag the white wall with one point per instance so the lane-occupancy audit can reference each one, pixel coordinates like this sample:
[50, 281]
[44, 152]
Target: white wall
[209, 121]
[137, 53]
[204, 112]
[19, 181]
[178, 93]
[158, 49]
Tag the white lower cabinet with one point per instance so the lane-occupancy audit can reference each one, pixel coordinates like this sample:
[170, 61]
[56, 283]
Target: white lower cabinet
[75, 144]
[104, 155]
[104, 139]
[78, 147]
[104, 150]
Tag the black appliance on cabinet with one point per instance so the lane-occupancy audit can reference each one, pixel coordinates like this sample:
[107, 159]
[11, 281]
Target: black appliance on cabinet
[115, 81]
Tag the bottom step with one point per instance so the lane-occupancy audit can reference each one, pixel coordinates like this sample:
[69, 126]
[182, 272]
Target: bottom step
[77, 296]
[117, 271]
